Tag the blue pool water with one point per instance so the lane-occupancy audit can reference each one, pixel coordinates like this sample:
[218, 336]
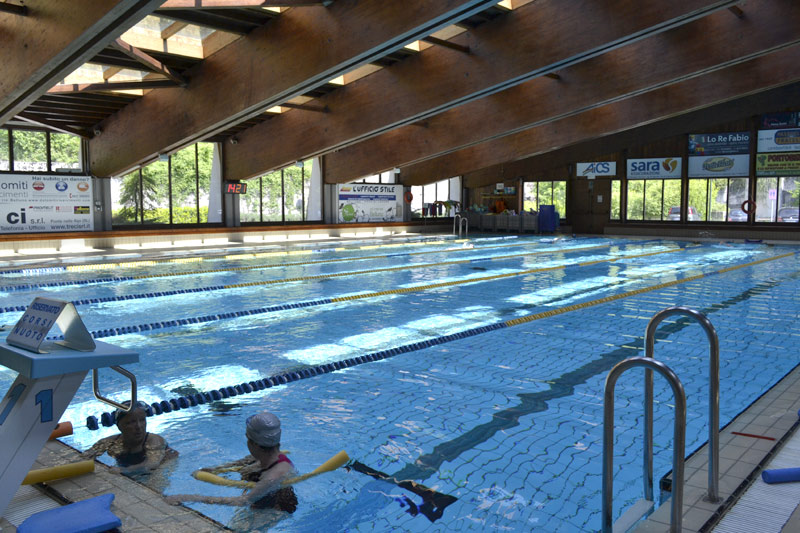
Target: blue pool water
[500, 420]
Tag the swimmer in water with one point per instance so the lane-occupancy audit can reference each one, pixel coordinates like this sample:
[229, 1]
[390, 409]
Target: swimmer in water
[266, 466]
[135, 450]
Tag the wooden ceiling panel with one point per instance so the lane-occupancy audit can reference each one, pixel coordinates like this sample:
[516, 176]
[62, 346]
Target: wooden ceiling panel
[712, 42]
[439, 79]
[767, 72]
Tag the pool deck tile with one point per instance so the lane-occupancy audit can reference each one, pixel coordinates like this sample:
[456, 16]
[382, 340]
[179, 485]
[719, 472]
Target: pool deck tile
[140, 508]
[773, 415]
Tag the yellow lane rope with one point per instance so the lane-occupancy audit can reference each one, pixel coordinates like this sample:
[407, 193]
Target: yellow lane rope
[418, 288]
[344, 259]
[562, 310]
[394, 269]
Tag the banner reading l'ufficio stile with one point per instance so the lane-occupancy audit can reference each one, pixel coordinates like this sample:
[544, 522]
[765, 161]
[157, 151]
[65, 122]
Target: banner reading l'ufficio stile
[369, 202]
[36, 203]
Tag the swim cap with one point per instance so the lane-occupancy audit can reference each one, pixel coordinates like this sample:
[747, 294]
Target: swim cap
[119, 414]
[264, 429]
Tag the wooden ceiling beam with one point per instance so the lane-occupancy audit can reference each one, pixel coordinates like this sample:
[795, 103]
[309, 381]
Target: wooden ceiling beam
[55, 39]
[149, 62]
[172, 29]
[306, 107]
[555, 161]
[447, 44]
[110, 72]
[230, 86]
[231, 4]
[712, 42]
[32, 118]
[110, 86]
[436, 80]
[767, 72]
[14, 9]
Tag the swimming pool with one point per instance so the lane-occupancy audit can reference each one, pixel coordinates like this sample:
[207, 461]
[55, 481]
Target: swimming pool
[487, 388]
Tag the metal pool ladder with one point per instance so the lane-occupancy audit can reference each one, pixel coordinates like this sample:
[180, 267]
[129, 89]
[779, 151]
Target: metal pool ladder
[679, 436]
[458, 220]
[644, 506]
[713, 396]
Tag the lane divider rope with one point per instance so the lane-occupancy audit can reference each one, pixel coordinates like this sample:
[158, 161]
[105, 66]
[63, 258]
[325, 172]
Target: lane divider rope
[110, 332]
[28, 286]
[183, 402]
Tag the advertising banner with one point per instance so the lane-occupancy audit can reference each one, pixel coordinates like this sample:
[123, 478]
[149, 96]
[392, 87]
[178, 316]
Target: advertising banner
[370, 202]
[37, 203]
[705, 144]
[654, 168]
[783, 164]
[598, 168]
[779, 140]
[718, 166]
[777, 121]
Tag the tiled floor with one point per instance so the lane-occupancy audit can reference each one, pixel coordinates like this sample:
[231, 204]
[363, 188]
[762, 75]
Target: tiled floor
[140, 509]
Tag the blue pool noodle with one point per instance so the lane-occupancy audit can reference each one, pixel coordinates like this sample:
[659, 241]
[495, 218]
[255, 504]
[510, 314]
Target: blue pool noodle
[781, 475]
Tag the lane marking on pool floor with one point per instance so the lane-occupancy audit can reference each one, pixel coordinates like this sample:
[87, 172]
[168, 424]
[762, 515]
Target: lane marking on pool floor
[166, 406]
[109, 332]
[139, 296]
[28, 286]
[196, 259]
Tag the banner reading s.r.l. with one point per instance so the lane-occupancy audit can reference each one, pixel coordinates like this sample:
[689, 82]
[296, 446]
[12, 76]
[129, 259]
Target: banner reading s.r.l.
[37, 203]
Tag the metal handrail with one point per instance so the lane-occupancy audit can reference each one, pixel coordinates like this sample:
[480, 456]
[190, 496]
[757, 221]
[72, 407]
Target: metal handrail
[458, 220]
[96, 389]
[679, 439]
[713, 397]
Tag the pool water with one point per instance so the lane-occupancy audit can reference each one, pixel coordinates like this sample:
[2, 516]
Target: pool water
[487, 394]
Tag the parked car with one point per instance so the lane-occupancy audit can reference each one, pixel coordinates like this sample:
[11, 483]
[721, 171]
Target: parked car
[788, 214]
[735, 214]
[675, 213]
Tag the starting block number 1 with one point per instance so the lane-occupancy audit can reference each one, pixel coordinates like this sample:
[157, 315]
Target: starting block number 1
[44, 398]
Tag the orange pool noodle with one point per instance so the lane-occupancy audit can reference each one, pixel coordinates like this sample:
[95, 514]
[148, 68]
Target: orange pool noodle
[62, 430]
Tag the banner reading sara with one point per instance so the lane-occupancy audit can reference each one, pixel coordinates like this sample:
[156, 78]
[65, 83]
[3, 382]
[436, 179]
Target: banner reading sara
[37, 203]
[370, 202]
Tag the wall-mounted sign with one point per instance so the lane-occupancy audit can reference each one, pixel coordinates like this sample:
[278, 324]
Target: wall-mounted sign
[36, 203]
[654, 168]
[779, 140]
[777, 121]
[705, 144]
[717, 166]
[780, 164]
[598, 168]
[367, 202]
[235, 187]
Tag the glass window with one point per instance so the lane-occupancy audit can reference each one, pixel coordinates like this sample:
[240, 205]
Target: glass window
[184, 186]
[560, 198]
[717, 199]
[698, 199]
[777, 199]
[249, 203]
[30, 150]
[5, 158]
[616, 200]
[635, 200]
[65, 151]
[155, 192]
[537, 193]
[293, 193]
[205, 159]
[272, 197]
[416, 201]
[126, 199]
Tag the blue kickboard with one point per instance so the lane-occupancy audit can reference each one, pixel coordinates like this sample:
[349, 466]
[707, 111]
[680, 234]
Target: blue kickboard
[88, 516]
